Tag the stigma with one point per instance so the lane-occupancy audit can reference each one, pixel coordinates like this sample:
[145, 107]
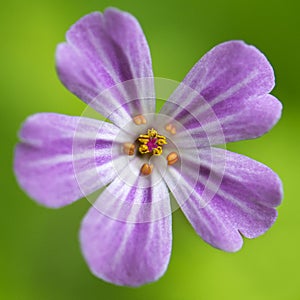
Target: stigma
[152, 142]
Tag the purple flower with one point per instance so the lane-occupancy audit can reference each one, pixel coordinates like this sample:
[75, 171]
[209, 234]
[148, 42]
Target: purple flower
[141, 156]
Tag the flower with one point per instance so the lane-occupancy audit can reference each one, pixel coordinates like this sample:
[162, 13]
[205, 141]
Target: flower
[140, 156]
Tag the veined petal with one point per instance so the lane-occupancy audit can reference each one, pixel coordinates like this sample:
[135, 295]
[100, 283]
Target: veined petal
[102, 52]
[49, 168]
[224, 96]
[242, 201]
[126, 252]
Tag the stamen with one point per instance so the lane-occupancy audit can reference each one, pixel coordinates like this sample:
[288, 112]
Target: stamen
[146, 169]
[171, 128]
[128, 148]
[152, 142]
[139, 120]
[172, 158]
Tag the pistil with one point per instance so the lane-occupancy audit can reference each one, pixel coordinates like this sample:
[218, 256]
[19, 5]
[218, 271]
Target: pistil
[152, 142]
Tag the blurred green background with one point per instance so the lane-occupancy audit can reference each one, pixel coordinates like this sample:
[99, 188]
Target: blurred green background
[40, 256]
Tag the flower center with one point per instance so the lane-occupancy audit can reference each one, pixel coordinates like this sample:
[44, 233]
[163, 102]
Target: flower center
[152, 142]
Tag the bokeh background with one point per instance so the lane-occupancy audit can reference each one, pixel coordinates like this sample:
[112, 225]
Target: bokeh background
[40, 256]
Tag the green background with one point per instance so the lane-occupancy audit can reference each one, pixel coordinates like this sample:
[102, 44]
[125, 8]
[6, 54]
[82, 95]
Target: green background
[40, 256]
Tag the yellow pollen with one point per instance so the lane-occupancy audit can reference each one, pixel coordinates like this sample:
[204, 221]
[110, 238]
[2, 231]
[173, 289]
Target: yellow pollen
[152, 142]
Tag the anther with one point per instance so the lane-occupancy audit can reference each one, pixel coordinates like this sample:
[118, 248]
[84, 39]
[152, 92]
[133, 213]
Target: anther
[172, 158]
[146, 169]
[128, 148]
[171, 128]
[139, 120]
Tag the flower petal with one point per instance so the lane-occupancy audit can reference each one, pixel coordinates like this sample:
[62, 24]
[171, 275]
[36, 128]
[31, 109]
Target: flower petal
[226, 93]
[105, 50]
[48, 166]
[242, 201]
[125, 252]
